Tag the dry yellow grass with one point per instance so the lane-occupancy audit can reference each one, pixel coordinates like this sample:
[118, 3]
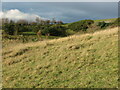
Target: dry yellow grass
[78, 61]
[45, 42]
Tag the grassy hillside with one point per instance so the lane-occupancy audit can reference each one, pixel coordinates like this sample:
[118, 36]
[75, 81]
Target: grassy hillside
[99, 20]
[89, 60]
[109, 20]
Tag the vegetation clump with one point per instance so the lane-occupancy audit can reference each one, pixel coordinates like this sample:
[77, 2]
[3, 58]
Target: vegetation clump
[50, 28]
[117, 22]
[55, 30]
[81, 25]
[103, 24]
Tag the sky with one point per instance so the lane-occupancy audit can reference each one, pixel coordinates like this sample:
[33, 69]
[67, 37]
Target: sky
[60, 0]
[65, 11]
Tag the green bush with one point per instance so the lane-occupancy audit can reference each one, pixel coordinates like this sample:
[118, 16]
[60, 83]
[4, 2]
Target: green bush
[103, 24]
[14, 29]
[81, 25]
[8, 28]
[55, 30]
[70, 32]
[117, 22]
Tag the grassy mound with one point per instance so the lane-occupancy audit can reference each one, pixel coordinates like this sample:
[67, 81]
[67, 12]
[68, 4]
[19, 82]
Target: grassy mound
[78, 61]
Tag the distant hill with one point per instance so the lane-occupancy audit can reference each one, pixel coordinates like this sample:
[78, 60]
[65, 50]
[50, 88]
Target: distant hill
[106, 20]
[99, 20]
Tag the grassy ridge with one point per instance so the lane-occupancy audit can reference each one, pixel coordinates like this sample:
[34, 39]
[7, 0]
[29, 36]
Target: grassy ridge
[109, 20]
[99, 20]
[88, 60]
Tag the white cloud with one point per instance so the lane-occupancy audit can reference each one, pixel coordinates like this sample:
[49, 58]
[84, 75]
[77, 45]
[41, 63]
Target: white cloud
[15, 14]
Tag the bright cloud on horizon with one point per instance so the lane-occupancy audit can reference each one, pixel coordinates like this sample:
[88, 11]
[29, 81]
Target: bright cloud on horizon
[15, 14]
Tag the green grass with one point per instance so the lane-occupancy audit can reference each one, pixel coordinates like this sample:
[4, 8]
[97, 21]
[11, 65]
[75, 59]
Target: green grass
[78, 61]
[29, 33]
[109, 20]
[26, 38]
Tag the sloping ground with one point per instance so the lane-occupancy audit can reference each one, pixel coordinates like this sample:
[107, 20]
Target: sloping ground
[89, 60]
[100, 20]
[106, 20]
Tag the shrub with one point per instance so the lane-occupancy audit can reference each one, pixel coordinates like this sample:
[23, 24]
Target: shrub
[14, 29]
[103, 24]
[8, 28]
[70, 32]
[81, 25]
[55, 30]
[117, 22]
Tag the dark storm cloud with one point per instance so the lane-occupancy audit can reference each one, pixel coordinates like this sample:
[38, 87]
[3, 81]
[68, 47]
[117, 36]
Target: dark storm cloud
[67, 11]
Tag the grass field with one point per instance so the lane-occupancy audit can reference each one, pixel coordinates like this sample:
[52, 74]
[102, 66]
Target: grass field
[99, 20]
[109, 20]
[78, 61]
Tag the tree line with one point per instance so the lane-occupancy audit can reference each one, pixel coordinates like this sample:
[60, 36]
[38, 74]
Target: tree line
[51, 27]
[17, 27]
